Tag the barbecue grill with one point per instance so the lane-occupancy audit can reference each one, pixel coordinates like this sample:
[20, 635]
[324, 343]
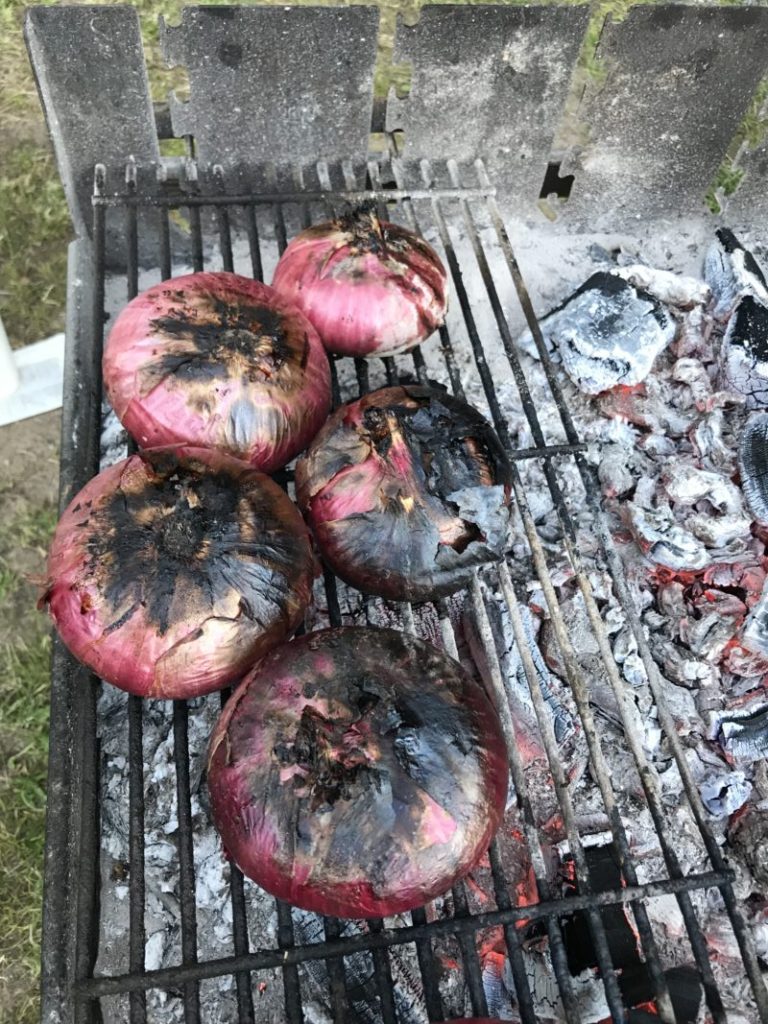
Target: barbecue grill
[282, 128]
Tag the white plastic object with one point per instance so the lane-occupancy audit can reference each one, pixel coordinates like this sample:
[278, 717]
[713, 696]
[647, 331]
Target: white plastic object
[39, 373]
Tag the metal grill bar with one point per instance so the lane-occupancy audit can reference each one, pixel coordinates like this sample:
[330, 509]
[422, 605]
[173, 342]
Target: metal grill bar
[276, 197]
[336, 974]
[558, 951]
[575, 677]
[186, 859]
[428, 968]
[258, 960]
[520, 977]
[462, 926]
[554, 933]
[239, 928]
[137, 936]
[598, 933]
[577, 682]
[285, 941]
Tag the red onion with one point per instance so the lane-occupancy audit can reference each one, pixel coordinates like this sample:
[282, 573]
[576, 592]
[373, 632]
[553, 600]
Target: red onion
[406, 490]
[357, 772]
[368, 286]
[218, 361]
[172, 570]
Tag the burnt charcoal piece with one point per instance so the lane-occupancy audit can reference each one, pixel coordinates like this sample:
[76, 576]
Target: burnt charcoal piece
[753, 466]
[357, 772]
[744, 734]
[731, 271]
[406, 491]
[607, 333]
[749, 836]
[741, 297]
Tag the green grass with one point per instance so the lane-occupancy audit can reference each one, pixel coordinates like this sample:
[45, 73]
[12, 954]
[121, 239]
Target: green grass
[34, 230]
[24, 694]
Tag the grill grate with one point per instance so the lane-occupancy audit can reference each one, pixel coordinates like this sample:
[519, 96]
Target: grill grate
[435, 200]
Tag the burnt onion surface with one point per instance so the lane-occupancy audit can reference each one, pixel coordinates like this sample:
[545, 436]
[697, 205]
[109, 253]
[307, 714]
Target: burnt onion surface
[172, 570]
[357, 772]
[406, 491]
[219, 361]
[369, 287]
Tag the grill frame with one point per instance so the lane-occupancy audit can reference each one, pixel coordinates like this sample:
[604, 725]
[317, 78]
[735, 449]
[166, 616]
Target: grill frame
[70, 992]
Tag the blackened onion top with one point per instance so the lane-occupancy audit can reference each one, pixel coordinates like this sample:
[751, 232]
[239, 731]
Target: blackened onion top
[406, 490]
[357, 772]
[220, 361]
[173, 569]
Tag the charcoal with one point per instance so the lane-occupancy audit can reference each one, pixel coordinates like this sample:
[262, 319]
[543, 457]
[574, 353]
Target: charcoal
[607, 333]
[753, 465]
[731, 271]
[743, 734]
[741, 299]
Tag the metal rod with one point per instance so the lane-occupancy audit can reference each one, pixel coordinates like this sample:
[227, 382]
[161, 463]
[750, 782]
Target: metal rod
[261, 959]
[186, 859]
[85, 821]
[137, 938]
[558, 955]
[222, 218]
[575, 676]
[524, 806]
[470, 959]
[239, 929]
[664, 1003]
[525, 809]
[269, 198]
[382, 972]
[165, 246]
[291, 986]
[335, 967]
[512, 939]
[197, 237]
[136, 889]
[428, 968]
[254, 246]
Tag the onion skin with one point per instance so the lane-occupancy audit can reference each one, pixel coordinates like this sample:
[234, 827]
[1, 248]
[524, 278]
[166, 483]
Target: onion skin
[368, 286]
[406, 491]
[218, 361]
[357, 772]
[171, 571]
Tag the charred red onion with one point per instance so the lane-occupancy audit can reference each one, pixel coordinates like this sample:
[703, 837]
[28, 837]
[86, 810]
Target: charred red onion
[218, 361]
[171, 571]
[357, 772]
[406, 491]
[368, 286]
